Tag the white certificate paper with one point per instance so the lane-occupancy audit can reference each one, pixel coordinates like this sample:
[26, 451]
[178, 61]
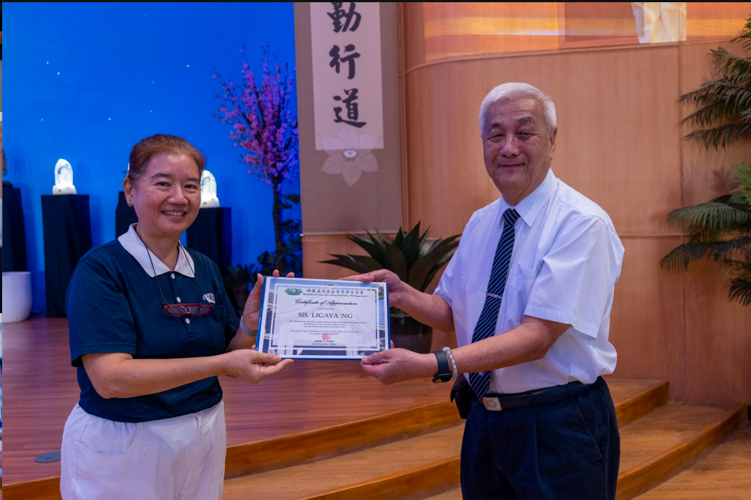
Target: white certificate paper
[323, 319]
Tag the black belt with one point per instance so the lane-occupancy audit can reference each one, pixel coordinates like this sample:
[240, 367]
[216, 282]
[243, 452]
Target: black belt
[498, 402]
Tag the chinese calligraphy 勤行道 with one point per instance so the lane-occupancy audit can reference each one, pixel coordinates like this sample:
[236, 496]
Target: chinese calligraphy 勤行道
[347, 81]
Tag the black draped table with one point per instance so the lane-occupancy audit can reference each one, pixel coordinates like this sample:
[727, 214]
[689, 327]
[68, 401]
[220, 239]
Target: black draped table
[211, 234]
[67, 236]
[14, 231]
[124, 215]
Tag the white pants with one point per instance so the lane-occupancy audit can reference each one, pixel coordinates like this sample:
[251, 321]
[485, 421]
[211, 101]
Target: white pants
[179, 458]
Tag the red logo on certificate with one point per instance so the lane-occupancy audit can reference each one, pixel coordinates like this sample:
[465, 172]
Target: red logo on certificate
[326, 336]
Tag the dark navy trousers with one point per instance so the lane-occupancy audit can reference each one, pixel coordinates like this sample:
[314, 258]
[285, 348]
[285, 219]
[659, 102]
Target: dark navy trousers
[568, 448]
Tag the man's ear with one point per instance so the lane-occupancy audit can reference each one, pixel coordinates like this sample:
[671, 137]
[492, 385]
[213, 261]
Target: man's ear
[552, 140]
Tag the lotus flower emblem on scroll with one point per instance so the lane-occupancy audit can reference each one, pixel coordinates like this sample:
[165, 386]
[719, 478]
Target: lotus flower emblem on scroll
[350, 154]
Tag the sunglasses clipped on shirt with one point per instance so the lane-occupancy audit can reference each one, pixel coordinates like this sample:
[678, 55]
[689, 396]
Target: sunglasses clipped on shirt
[187, 309]
[181, 310]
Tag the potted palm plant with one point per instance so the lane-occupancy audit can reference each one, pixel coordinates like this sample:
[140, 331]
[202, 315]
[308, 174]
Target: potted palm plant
[721, 228]
[415, 260]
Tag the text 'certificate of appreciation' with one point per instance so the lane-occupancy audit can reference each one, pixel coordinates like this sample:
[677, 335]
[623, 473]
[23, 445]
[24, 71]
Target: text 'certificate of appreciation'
[323, 319]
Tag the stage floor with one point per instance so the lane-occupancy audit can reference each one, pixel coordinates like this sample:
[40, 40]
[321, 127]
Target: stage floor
[40, 389]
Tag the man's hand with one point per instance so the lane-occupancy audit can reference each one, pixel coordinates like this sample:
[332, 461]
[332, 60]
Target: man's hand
[397, 290]
[251, 365]
[253, 304]
[428, 309]
[396, 365]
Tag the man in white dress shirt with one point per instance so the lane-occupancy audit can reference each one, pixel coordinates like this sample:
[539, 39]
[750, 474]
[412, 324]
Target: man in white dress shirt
[531, 311]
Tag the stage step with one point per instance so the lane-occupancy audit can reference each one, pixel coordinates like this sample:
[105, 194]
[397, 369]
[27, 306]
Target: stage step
[337, 440]
[452, 494]
[725, 473]
[665, 441]
[387, 471]
[420, 465]
[670, 438]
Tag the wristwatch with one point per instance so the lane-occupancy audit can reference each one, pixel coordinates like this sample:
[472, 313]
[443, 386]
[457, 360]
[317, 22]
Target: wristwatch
[444, 369]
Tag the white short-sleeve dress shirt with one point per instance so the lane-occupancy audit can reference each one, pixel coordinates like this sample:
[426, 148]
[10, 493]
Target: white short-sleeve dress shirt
[566, 260]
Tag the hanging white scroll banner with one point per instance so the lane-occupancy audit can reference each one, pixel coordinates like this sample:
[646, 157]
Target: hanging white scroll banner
[347, 87]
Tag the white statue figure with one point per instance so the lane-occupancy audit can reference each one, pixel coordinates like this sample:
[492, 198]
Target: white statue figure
[208, 190]
[63, 178]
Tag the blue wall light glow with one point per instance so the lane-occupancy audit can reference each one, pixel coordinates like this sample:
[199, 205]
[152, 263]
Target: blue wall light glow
[86, 81]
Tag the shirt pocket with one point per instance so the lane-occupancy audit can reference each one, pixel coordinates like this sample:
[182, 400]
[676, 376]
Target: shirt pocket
[519, 295]
[215, 324]
[527, 279]
[528, 276]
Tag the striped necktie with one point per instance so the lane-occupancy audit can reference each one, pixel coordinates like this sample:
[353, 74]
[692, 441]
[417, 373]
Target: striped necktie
[480, 381]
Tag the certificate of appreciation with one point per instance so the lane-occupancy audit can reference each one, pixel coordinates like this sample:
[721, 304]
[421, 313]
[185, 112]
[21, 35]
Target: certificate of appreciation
[323, 319]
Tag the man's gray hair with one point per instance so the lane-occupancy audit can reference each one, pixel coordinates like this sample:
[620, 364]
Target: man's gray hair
[515, 90]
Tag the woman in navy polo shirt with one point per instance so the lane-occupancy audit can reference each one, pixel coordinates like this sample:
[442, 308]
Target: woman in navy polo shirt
[150, 329]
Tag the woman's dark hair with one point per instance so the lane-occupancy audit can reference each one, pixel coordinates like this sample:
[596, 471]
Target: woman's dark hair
[158, 144]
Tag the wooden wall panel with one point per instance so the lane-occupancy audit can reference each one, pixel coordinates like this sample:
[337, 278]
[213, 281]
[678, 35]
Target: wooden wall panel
[316, 248]
[718, 339]
[319, 247]
[616, 110]
[647, 319]
[414, 37]
[619, 143]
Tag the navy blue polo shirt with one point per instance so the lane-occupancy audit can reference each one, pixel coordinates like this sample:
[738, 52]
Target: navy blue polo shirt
[114, 305]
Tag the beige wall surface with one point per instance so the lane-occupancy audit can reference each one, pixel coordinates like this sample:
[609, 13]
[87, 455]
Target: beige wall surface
[619, 143]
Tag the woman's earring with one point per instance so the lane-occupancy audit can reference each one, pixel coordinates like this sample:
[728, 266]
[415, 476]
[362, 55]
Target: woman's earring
[130, 203]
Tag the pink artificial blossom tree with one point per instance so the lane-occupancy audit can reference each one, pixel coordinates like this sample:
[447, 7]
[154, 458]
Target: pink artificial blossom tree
[263, 123]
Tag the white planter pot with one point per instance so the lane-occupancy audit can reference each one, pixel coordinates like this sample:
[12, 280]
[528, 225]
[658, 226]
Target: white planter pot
[16, 296]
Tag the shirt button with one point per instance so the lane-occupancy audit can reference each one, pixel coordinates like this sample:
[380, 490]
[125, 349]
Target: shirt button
[187, 320]
[178, 299]
[173, 275]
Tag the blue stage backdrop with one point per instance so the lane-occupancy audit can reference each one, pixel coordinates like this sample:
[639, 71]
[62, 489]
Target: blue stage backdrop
[86, 81]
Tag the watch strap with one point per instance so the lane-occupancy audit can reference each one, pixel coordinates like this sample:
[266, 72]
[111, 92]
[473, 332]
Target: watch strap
[444, 369]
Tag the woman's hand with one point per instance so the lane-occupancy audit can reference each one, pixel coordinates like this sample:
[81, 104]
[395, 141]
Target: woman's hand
[253, 304]
[253, 366]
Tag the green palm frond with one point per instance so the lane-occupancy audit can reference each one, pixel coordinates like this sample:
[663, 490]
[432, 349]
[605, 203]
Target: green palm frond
[740, 290]
[740, 284]
[724, 114]
[726, 252]
[736, 250]
[742, 176]
[681, 256]
[741, 194]
[722, 135]
[720, 100]
[745, 36]
[710, 217]
[734, 67]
